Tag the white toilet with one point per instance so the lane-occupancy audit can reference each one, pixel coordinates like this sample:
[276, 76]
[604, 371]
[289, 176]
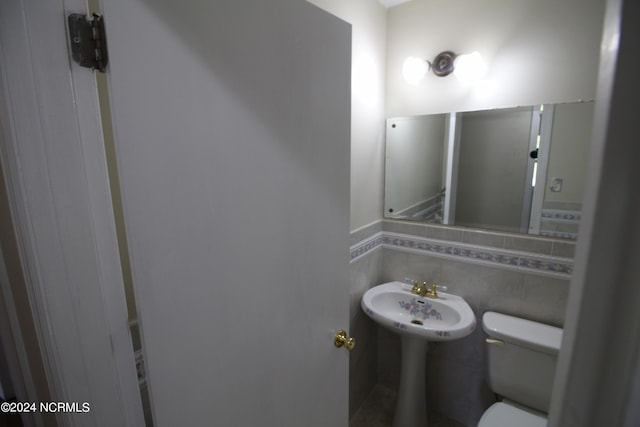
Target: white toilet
[522, 357]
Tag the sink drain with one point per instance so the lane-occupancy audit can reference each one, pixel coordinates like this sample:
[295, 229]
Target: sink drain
[417, 322]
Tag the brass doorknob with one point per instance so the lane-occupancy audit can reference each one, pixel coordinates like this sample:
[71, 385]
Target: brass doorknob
[342, 340]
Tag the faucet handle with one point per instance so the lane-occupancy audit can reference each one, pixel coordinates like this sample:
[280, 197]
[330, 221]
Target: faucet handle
[432, 291]
[416, 287]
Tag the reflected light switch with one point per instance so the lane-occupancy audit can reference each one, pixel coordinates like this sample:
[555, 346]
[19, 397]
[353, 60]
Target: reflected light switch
[556, 185]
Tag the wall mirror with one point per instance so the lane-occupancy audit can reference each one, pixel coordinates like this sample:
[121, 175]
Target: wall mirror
[515, 169]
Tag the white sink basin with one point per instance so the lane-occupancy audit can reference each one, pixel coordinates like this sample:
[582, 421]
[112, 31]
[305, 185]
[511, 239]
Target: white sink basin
[392, 305]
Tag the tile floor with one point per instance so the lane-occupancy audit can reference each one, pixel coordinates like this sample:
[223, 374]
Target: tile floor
[377, 411]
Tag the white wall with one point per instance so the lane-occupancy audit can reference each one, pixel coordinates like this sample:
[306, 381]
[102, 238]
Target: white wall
[542, 51]
[368, 20]
[538, 52]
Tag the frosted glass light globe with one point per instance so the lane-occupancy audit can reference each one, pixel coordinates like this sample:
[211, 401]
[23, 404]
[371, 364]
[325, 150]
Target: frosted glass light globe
[414, 69]
[470, 68]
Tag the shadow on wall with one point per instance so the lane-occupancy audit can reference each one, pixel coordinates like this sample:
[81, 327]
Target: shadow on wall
[221, 43]
[239, 52]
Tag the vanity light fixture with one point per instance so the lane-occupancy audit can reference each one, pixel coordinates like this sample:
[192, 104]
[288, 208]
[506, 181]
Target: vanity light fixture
[414, 69]
[469, 68]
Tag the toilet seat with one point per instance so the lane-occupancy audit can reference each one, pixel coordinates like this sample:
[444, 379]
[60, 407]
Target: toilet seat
[503, 414]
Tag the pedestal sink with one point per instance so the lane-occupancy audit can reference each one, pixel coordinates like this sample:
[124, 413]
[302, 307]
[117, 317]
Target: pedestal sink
[418, 320]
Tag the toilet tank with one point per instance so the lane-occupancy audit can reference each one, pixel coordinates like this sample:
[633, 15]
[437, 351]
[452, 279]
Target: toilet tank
[522, 357]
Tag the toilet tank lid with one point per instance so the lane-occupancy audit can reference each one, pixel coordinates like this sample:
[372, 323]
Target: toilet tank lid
[527, 333]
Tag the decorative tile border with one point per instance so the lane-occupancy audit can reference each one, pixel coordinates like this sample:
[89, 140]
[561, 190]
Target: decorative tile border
[367, 245]
[502, 258]
[560, 223]
[557, 214]
[561, 234]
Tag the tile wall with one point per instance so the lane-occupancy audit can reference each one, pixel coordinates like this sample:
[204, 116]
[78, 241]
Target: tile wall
[365, 272]
[509, 273]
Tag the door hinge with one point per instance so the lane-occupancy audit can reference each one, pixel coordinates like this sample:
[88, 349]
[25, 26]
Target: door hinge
[88, 41]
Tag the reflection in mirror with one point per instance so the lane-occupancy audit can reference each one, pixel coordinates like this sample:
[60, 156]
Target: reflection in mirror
[414, 167]
[517, 169]
[493, 178]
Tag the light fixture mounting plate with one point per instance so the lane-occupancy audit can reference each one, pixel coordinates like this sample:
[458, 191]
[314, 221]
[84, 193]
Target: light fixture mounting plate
[442, 64]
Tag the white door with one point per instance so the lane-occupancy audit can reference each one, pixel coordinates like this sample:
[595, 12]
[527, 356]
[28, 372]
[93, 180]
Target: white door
[231, 121]
[543, 148]
[491, 141]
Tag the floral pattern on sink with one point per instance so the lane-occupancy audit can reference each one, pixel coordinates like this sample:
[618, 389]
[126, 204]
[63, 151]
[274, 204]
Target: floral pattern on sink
[416, 308]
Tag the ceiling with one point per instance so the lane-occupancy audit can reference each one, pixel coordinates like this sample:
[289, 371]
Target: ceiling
[391, 3]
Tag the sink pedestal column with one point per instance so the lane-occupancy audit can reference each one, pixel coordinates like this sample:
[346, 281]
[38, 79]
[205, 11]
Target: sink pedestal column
[411, 409]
